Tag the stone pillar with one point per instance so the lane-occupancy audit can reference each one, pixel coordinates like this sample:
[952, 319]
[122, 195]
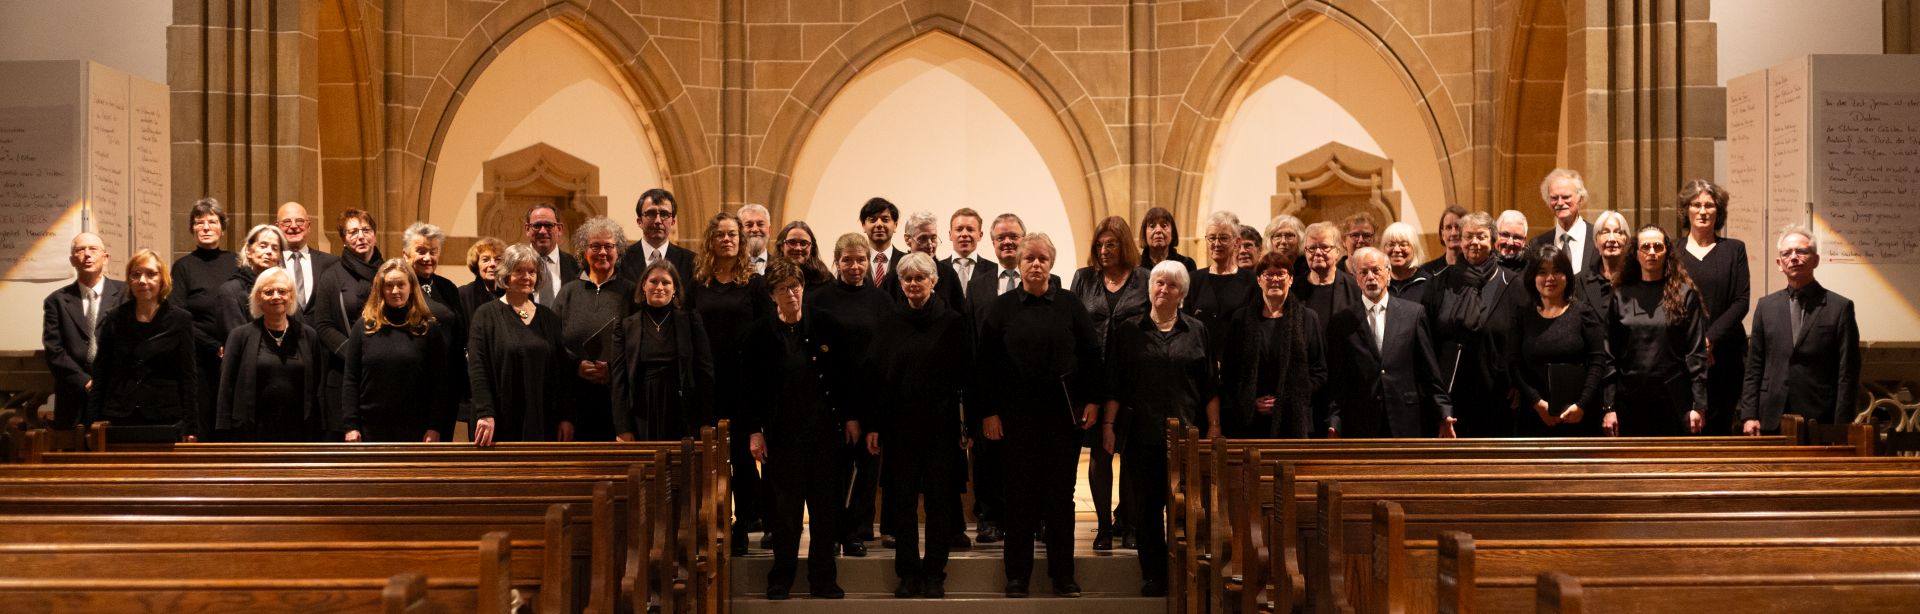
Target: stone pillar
[245, 107]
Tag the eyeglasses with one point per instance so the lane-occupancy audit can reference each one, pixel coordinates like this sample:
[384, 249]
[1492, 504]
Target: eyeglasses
[544, 226]
[1513, 236]
[602, 247]
[797, 243]
[292, 222]
[1222, 238]
[657, 214]
[1319, 249]
[1276, 274]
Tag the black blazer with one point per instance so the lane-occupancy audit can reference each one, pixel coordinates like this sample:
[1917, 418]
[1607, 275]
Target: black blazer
[1590, 257]
[1303, 373]
[1818, 376]
[802, 416]
[627, 376]
[1394, 391]
[236, 402]
[981, 264]
[634, 262]
[146, 378]
[946, 286]
[64, 335]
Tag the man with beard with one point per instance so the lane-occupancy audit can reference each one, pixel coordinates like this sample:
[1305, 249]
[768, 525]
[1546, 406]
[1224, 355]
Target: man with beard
[1566, 194]
[754, 226]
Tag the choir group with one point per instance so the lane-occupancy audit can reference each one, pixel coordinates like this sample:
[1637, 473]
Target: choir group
[863, 366]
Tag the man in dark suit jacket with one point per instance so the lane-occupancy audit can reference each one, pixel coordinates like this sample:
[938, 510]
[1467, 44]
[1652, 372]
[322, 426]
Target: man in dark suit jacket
[1804, 354]
[544, 232]
[657, 213]
[73, 314]
[923, 235]
[1382, 355]
[306, 263]
[1566, 194]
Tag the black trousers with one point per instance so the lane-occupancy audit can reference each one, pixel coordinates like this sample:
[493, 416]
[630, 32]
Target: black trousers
[860, 470]
[802, 473]
[749, 500]
[1041, 463]
[1145, 471]
[907, 474]
[989, 480]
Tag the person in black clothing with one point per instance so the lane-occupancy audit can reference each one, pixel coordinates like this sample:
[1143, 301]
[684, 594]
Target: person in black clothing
[922, 358]
[1657, 333]
[798, 244]
[802, 423]
[856, 309]
[1468, 310]
[143, 371]
[1287, 237]
[1718, 267]
[922, 232]
[1401, 242]
[1557, 331]
[517, 363]
[1611, 236]
[1160, 239]
[421, 244]
[270, 378]
[729, 297]
[338, 298]
[1223, 289]
[662, 372]
[196, 283]
[1114, 289]
[590, 310]
[401, 382]
[1326, 289]
[1274, 362]
[990, 456]
[1805, 357]
[1382, 356]
[261, 251]
[1449, 242]
[1510, 240]
[543, 231]
[1565, 193]
[1250, 247]
[71, 319]
[1161, 367]
[1040, 365]
[878, 219]
[657, 213]
[483, 260]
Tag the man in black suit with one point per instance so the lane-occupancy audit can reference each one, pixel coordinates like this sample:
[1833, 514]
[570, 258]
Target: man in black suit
[1804, 355]
[1566, 194]
[305, 263]
[923, 235]
[878, 218]
[544, 231]
[1382, 354]
[964, 230]
[657, 212]
[73, 314]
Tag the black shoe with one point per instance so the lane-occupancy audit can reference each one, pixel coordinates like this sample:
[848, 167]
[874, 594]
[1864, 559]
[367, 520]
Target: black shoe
[830, 591]
[766, 540]
[1103, 540]
[960, 542]
[1154, 588]
[989, 533]
[888, 542]
[1066, 589]
[909, 587]
[1128, 542]
[854, 549]
[777, 592]
[1016, 589]
[934, 587]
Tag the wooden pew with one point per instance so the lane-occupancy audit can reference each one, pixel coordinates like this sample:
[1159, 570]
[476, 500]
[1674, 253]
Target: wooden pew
[1853, 593]
[472, 575]
[401, 594]
[1411, 564]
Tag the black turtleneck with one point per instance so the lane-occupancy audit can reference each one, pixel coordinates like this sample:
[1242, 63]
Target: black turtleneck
[197, 277]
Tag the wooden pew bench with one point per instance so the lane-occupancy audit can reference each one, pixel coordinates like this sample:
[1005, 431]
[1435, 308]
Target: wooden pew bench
[401, 594]
[1416, 556]
[1852, 593]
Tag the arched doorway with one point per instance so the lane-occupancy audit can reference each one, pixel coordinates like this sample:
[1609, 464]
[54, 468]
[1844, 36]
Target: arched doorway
[936, 125]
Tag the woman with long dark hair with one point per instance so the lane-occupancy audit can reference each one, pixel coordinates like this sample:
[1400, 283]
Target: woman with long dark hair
[1557, 352]
[662, 371]
[729, 297]
[1113, 287]
[798, 243]
[1658, 335]
[1718, 267]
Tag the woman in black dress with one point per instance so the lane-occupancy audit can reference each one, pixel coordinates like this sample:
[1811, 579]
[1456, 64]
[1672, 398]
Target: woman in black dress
[401, 383]
[516, 362]
[1114, 289]
[196, 287]
[922, 361]
[1401, 242]
[1160, 239]
[1468, 309]
[270, 380]
[338, 295]
[1274, 362]
[1223, 289]
[1162, 368]
[1657, 333]
[1558, 335]
[144, 372]
[591, 309]
[729, 297]
[1718, 267]
[483, 260]
[662, 371]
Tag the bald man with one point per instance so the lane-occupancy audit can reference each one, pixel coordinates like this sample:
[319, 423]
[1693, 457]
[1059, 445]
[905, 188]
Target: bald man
[73, 313]
[305, 263]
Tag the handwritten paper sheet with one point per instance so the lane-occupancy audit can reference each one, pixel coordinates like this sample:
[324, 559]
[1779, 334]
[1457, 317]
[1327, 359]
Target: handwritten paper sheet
[1869, 174]
[39, 199]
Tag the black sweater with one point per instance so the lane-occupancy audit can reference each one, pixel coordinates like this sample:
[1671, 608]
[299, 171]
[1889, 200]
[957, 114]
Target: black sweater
[398, 384]
[197, 277]
[518, 372]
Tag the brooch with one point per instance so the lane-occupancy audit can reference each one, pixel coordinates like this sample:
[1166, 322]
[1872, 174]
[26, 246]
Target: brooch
[823, 348]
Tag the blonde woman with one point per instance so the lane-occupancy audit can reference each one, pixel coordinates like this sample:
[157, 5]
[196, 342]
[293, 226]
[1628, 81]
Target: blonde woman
[270, 379]
[400, 379]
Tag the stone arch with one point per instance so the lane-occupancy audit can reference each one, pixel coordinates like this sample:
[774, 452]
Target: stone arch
[981, 27]
[656, 92]
[1220, 82]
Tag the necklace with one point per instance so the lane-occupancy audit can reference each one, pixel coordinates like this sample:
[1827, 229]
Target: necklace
[1164, 324]
[277, 339]
[657, 324]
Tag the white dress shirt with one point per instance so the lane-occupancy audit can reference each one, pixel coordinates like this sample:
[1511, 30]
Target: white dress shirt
[1574, 240]
[1377, 318]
